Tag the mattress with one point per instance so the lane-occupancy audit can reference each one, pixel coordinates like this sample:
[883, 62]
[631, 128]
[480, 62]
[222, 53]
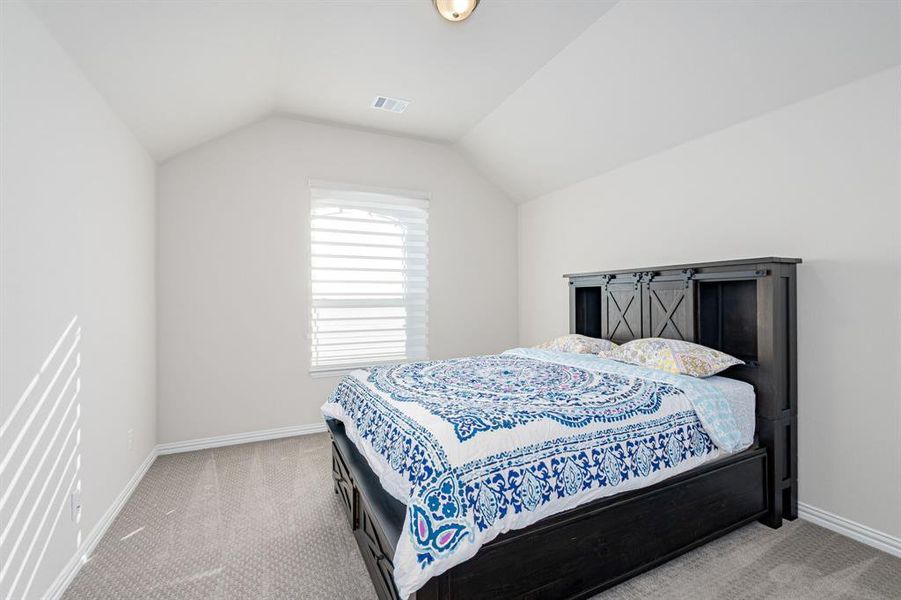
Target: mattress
[478, 446]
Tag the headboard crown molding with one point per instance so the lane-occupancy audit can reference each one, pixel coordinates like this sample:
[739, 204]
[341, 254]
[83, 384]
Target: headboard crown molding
[702, 265]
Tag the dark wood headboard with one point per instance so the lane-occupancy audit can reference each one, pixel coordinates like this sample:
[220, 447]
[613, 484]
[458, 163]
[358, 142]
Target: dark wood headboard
[746, 308]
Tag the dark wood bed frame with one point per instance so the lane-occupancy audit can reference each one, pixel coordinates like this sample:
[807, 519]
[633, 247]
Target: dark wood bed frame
[746, 308]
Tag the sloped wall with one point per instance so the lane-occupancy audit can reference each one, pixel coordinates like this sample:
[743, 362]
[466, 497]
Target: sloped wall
[650, 75]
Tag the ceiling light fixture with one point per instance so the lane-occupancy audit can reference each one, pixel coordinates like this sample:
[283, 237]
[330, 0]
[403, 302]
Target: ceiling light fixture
[455, 10]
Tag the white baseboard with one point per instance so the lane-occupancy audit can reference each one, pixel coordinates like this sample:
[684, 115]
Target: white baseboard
[71, 569]
[240, 438]
[848, 528]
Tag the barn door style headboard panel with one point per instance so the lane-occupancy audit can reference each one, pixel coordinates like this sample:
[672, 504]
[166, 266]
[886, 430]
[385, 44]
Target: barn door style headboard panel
[746, 308]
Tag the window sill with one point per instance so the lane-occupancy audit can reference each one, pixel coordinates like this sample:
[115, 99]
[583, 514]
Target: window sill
[341, 371]
[325, 373]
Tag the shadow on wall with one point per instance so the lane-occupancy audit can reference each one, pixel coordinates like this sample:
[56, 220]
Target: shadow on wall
[39, 472]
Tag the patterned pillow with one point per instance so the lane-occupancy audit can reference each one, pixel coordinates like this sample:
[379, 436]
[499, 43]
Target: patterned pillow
[674, 356]
[580, 344]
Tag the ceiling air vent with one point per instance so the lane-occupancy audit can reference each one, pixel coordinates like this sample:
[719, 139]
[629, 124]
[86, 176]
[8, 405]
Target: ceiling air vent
[395, 105]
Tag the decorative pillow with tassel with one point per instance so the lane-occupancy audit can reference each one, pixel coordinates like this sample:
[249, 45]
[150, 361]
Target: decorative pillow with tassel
[674, 356]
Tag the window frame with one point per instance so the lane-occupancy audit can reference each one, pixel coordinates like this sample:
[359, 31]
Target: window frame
[399, 197]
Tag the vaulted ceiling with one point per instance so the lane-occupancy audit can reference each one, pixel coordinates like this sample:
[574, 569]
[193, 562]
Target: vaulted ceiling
[648, 76]
[181, 72]
[539, 94]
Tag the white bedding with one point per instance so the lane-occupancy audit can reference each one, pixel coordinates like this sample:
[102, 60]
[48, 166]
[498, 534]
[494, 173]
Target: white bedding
[740, 396]
[479, 446]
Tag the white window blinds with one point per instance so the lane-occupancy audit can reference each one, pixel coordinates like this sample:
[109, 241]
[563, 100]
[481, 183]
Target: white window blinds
[369, 277]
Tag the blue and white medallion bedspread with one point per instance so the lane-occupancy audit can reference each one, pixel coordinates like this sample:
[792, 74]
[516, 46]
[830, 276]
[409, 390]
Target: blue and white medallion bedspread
[478, 446]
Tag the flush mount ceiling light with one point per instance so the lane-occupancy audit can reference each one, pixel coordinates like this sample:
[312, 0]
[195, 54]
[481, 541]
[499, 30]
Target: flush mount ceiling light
[455, 10]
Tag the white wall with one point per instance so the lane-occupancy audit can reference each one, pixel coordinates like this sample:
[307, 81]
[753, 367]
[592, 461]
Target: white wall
[819, 180]
[233, 268]
[76, 234]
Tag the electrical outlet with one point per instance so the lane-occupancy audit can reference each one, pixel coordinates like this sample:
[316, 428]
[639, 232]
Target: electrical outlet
[131, 439]
[75, 505]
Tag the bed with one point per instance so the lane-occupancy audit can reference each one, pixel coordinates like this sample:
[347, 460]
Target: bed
[526, 485]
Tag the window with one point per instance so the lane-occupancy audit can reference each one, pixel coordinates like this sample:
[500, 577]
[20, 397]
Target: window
[369, 254]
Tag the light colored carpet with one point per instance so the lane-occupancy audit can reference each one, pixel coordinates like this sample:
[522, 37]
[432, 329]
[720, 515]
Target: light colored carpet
[261, 521]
